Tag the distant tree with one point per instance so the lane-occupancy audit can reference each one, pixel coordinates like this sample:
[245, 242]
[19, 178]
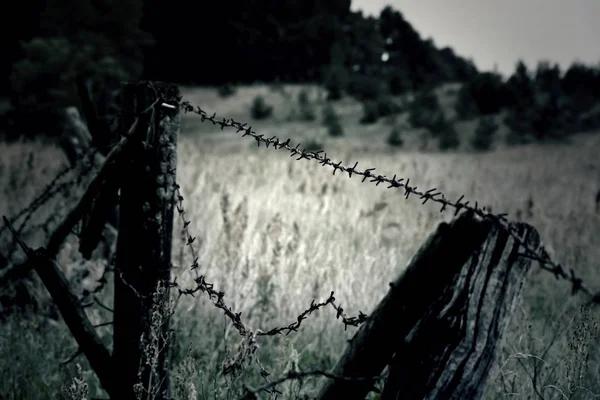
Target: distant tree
[462, 70]
[582, 86]
[549, 120]
[420, 58]
[465, 106]
[398, 80]
[488, 92]
[424, 110]
[81, 38]
[335, 76]
[406, 49]
[363, 87]
[519, 122]
[265, 35]
[484, 133]
[547, 77]
[521, 86]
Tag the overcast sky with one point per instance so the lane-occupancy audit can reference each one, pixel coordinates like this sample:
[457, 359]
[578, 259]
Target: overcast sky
[503, 31]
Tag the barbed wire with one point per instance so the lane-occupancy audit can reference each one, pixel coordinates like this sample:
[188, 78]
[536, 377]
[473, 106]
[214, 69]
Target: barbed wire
[432, 195]
[217, 297]
[49, 191]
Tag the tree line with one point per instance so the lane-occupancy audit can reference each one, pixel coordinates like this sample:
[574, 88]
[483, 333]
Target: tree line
[235, 41]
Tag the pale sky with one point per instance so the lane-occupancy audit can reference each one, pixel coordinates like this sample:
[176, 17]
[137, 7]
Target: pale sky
[504, 31]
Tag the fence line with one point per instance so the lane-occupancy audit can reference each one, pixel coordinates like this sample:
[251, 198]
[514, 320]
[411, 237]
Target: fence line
[541, 256]
[217, 297]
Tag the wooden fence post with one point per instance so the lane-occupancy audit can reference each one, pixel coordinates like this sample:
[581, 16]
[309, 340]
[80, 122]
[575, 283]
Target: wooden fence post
[438, 326]
[143, 264]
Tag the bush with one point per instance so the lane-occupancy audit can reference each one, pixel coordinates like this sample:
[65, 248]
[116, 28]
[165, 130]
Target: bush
[364, 87]
[307, 112]
[489, 93]
[439, 124]
[336, 129]
[395, 138]
[335, 81]
[226, 90]
[370, 112]
[518, 121]
[386, 106]
[465, 106]
[43, 82]
[484, 133]
[448, 138]
[547, 119]
[332, 121]
[485, 94]
[260, 109]
[329, 115]
[425, 112]
[303, 98]
[590, 121]
[399, 81]
[313, 145]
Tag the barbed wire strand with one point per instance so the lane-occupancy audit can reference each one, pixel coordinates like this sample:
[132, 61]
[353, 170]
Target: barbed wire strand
[432, 195]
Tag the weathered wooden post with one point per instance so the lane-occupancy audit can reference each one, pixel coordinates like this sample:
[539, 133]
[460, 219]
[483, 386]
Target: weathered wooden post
[438, 326]
[143, 263]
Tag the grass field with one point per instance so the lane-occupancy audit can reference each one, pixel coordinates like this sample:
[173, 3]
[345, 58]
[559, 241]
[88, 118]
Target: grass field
[275, 233]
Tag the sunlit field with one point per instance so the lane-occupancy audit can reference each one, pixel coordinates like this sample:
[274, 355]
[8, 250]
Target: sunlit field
[274, 233]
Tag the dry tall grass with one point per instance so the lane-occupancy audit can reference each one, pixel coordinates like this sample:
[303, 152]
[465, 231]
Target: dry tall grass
[274, 233]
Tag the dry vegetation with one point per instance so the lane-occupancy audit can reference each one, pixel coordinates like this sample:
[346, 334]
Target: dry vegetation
[275, 233]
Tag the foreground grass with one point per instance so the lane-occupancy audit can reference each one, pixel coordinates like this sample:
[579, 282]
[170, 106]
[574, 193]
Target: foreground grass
[274, 233]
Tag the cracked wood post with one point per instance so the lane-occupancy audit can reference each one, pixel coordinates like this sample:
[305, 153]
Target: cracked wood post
[440, 323]
[143, 256]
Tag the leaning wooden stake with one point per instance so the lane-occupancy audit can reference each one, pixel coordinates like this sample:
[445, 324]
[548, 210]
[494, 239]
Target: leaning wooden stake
[439, 325]
[71, 310]
[143, 263]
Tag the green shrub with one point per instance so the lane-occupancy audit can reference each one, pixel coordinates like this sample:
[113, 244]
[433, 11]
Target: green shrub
[465, 106]
[385, 106]
[484, 133]
[303, 98]
[590, 121]
[329, 115]
[43, 81]
[395, 138]
[335, 81]
[336, 129]
[438, 123]
[448, 139]
[424, 110]
[518, 120]
[313, 145]
[370, 112]
[489, 93]
[399, 81]
[226, 90]
[364, 87]
[332, 121]
[260, 109]
[307, 112]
